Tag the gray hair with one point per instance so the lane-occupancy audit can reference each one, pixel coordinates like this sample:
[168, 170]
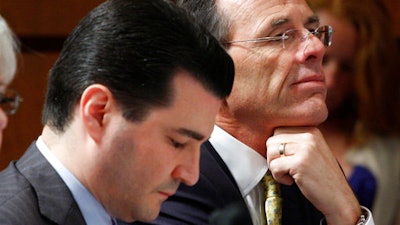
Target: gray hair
[9, 47]
[206, 13]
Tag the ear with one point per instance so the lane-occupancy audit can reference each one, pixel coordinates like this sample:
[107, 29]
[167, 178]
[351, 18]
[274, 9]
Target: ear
[96, 102]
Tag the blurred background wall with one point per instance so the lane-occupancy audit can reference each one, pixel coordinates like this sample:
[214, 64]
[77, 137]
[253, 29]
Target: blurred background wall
[42, 26]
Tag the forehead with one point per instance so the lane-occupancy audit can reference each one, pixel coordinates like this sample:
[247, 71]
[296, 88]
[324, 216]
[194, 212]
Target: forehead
[261, 14]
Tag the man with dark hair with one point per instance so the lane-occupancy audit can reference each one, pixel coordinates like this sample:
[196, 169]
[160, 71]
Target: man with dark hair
[268, 123]
[130, 100]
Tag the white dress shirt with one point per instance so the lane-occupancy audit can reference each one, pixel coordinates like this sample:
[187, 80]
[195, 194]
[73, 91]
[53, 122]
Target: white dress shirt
[93, 212]
[248, 168]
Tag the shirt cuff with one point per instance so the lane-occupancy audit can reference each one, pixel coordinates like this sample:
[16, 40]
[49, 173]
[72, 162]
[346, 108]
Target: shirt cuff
[368, 213]
[365, 211]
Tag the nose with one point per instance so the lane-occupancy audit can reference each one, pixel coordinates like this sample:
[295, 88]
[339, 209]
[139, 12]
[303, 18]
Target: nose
[306, 39]
[314, 42]
[188, 169]
[312, 47]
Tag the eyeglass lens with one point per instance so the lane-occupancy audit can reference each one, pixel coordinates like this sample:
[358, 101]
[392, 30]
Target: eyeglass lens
[325, 34]
[291, 38]
[9, 101]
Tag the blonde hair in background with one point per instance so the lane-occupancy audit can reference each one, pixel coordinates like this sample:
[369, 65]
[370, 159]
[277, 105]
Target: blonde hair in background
[377, 78]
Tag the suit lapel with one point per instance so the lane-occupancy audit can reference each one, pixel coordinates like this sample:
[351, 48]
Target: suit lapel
[54, 198]
[213, 167]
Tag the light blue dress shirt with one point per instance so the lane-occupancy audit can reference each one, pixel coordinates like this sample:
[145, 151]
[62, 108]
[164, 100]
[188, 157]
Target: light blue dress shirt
[93, 212]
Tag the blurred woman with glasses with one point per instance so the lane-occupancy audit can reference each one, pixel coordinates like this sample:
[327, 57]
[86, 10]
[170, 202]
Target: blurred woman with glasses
[9, 99]
[363, 127]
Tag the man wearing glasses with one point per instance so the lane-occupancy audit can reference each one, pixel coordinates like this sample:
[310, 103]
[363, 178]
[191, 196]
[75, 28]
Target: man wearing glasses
[269, 122]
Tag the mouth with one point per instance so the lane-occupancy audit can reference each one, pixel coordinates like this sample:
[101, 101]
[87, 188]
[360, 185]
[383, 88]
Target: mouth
[166, 194]
[312, 79]
[310, 84]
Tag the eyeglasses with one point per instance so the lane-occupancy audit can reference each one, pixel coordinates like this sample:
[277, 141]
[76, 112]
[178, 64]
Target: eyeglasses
[9, 101]
[292, 38]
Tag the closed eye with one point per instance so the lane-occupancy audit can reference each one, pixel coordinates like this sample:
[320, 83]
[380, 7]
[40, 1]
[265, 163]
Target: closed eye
[177, 144]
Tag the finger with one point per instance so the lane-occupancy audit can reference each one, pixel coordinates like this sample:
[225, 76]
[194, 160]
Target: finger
[280, 171]
[279, 149]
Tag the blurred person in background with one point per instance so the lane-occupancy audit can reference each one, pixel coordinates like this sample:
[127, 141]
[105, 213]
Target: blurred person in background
[363, 125]
[9, 99]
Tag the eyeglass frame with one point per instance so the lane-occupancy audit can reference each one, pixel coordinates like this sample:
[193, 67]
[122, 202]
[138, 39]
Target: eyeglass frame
[12, 98]
[322, 29]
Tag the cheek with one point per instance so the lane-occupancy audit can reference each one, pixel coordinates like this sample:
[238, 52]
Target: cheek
[258, 74]
[135, 171]
[153, 154]
[253, 61]
[276, 70]
[257, 84]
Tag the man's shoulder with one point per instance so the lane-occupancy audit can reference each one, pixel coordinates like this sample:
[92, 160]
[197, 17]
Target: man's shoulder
[13, 185]
[13, 180]
[17, 197]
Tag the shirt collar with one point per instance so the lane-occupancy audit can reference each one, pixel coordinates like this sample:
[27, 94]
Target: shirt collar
[246, 165]
[93, 212]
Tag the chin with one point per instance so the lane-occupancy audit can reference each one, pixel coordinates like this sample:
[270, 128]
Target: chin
[317, 118]
[313, 116]
[148, 219]
[149, 215]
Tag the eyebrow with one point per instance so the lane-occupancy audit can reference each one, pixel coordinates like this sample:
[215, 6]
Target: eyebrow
[310, 20]
[190, 133]
[279, 22]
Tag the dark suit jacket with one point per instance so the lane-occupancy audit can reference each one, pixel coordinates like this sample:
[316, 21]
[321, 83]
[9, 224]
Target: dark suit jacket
[32, 193]
[216, 189]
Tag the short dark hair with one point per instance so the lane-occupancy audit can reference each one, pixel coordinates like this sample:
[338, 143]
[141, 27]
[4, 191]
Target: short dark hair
[134, 48]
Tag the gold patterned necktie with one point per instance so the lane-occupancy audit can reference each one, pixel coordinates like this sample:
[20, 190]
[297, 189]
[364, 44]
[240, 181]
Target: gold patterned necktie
[273, 200]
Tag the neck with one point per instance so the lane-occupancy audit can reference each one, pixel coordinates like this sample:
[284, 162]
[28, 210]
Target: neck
[253, 137]
[65, 146]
